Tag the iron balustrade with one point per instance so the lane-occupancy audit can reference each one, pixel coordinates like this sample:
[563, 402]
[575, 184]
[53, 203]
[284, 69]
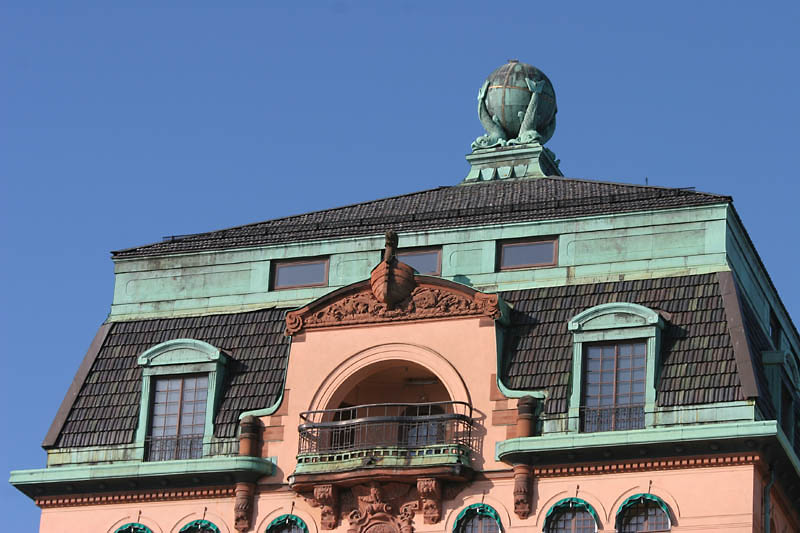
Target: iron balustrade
[617, 418]
[187, 447]
[413, 428]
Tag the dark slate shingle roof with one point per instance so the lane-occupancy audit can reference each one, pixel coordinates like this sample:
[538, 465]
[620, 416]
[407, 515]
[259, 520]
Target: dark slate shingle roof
[698, 364]
[445, 207]
[106, 409]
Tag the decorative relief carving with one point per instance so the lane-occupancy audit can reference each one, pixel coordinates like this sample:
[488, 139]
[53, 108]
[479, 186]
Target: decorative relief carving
[430, 499]
[327, 497]
[425, 301]
[243, 506]
[522, 488]
[376, 515]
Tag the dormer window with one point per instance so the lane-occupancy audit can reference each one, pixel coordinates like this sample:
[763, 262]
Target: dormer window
[530, 253]
[177, 424]
[181, 381]
[302, 273]
[614, 367]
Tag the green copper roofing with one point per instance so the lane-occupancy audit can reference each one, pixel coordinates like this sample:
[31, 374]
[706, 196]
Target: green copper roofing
[568, 503]
[287, 519]
[134, 528]
[200, 526]
[480, 509]
[639, 498]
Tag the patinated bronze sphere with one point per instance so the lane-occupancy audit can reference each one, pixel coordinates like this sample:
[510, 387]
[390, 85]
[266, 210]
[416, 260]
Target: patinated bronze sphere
[516, 105]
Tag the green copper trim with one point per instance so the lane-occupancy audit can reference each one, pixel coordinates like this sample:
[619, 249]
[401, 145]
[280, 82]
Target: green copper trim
[656, 435]
[200, 526]
[287, 519]
[569, 503]
[477, 509]
[174, 358]
[137, 469]
[638, 498]
[134, 528]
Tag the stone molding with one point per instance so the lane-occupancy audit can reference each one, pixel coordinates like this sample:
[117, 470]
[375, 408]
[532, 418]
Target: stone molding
[46, 502]
[430, 499]
[647, 466]
[431, 298]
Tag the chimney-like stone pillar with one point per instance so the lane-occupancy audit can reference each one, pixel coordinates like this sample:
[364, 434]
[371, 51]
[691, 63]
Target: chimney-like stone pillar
[526, 416]
[249, 437]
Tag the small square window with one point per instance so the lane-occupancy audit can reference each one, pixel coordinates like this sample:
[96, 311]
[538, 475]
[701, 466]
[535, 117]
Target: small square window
[305, 273]
[528, 254]
[427, 261]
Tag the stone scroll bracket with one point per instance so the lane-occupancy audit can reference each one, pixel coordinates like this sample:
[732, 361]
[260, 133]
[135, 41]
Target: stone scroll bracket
[522, 491]
[327, 497]
[430, 499]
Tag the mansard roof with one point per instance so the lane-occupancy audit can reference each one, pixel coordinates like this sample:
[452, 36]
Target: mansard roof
[492, 202]
[707, 348]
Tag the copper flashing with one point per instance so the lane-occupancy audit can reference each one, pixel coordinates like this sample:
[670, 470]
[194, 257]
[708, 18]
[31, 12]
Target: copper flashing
[75, 386]
[742, 350]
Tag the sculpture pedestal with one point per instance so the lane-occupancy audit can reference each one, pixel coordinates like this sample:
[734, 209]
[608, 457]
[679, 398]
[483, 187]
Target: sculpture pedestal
[516, 161]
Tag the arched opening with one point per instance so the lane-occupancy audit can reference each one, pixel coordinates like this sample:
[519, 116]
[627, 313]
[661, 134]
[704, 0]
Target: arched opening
[388, 413]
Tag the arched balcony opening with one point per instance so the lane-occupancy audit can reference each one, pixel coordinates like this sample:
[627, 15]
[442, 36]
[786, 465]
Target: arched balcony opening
[393, 416]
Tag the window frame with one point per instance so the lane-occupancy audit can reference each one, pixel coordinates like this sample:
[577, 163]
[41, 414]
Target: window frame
[501, 247]
[275, 265]
[480, 509]
[423, 250]
[639, 498]
[566, 504]
[200, 525]
[610, 323]
[616, 383]
[179, 357]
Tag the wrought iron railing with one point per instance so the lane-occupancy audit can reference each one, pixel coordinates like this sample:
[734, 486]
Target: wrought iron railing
[618, 418]
[409, 429]
[187, 447]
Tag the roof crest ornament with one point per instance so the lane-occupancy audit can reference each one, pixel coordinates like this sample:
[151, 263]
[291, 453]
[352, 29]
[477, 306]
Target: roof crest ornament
[391, 281]
[517, 108]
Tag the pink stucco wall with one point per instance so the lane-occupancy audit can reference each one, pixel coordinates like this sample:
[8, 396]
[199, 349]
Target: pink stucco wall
[325, 365]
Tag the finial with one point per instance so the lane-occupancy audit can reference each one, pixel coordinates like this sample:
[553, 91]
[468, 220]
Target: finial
[391, 245]
[516, 105]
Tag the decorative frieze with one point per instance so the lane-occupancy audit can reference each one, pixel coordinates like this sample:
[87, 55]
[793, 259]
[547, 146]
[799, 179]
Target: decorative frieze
[46, 502]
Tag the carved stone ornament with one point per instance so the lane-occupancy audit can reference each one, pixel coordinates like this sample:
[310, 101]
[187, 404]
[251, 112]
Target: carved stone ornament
[327, 497]
[376, 515]
[522, 488]
[430, 499]
[357, 304]
[243, 506]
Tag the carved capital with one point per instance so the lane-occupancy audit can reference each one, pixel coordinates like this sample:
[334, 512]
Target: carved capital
[430, 499]
[327, 497]
[243, 506]
[522, 490]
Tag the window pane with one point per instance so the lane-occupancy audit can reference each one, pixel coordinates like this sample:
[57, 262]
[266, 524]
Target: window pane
[422, 262]
[527, 254]
[178, 418]
[613, 396]
[301, 274]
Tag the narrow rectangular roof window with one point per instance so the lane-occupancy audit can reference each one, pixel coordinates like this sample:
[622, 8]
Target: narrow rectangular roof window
[528, 254]
[426, 261]
[304, 273]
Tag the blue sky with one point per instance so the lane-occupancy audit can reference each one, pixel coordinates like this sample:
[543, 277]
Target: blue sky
[123, 123]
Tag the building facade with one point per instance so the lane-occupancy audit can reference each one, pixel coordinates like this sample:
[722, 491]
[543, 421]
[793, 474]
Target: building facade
[518, 352]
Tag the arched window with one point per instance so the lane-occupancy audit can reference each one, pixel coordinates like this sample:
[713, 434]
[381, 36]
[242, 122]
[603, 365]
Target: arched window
[478, 518]
[287, 523]
[643, 513]
[571, 515]
[133, 528]
[200, 526]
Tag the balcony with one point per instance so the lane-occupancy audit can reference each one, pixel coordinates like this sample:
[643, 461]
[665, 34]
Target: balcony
[386, 440]
[621, 418]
